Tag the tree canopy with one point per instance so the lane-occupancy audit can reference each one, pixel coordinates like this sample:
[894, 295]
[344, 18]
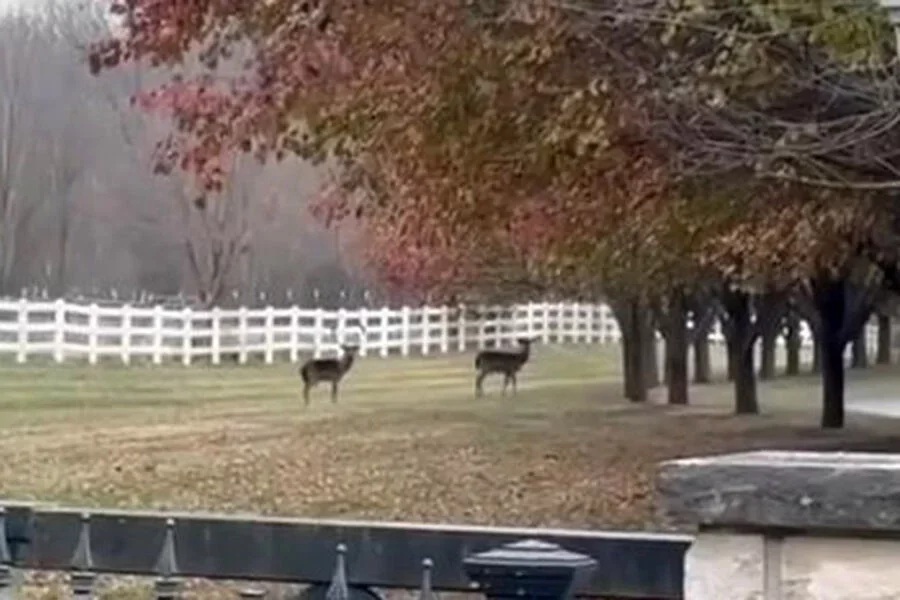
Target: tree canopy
[590, 148]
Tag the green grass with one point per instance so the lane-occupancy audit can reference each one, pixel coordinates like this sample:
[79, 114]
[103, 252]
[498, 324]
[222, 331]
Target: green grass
[408, 439]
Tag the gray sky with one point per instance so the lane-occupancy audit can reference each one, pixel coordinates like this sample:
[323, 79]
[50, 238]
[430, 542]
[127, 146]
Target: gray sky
[6, 5]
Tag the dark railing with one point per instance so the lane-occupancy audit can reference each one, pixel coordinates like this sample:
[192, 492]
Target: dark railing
[338, 559]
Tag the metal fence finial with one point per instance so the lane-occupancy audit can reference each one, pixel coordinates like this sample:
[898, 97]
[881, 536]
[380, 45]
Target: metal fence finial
[82, 578]
[166, 587]
[82, 558]
[6, 571]
[5, 554]
[426, 592]
[339, 589]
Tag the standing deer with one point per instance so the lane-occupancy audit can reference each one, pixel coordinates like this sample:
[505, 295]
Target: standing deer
[317, 370]
[509, 363]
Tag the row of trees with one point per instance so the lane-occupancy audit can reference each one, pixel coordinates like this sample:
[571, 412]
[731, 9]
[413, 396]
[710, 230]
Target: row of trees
[664, 156]
[81, 209]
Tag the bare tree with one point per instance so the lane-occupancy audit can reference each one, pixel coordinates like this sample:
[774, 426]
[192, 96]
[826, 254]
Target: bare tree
[80, 207]
[216, 230]
[18, 138]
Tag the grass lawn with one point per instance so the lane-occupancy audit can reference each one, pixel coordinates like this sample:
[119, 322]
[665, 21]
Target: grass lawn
[408, 441]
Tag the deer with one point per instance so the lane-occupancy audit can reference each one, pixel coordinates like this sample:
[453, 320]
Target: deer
[333, 370]
[509, 363]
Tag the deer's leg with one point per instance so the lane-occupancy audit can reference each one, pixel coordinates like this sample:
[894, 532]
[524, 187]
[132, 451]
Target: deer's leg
[479, 381]
[306, 387]
[505, 383]
[334, 392]
[512, 378]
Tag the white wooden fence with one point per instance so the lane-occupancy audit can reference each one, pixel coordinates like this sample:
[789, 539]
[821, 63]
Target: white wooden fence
[64, 330]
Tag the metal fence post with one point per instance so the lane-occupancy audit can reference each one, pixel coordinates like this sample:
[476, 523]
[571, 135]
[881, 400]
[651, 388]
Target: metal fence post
[166, 586]
[82, 578]
[529, 569]
[7, 585]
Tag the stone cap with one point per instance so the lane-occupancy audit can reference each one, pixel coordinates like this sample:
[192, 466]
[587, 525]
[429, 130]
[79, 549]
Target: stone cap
[783, 490]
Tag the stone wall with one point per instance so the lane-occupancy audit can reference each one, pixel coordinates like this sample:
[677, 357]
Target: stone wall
[787, 525]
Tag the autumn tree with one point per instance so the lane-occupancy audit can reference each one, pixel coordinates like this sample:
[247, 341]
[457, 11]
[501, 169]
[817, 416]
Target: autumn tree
[538, 137]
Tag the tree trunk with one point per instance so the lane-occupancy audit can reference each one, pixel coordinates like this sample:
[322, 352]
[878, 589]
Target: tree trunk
[792, 344]
[628, 314]
[832, 382]
[859, 351]
[741, 339]
[831, 303]
[770, 311]
[705, 314]
[746, 399]
[767, 356]
[884, 340]
[729, 360]
[651, 357]
[816, 366]
[702, 360]
[676, 335]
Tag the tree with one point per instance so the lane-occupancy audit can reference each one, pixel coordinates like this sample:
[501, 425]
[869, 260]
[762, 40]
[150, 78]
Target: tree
[546, 139]
[20, 185]
[216, 234]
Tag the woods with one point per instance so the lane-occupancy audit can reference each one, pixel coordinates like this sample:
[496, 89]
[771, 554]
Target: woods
[649, 154]
[81, 211]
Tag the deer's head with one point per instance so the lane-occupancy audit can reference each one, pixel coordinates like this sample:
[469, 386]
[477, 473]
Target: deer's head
[350, 350]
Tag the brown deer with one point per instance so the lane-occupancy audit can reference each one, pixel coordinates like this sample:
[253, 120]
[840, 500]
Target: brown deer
[317, 370]
[506, 362]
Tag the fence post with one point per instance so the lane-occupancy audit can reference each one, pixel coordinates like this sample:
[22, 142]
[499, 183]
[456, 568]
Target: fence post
[341, 326]
[22, 331]
[574, 336]
[270, 335]
[215, 341]
[545, 322]
[93, 326]
[242, 335]
[8, 576]
[604, 324]
[318, 326]
[425, 321]
[575, 321]
[404, 331]
[385, 337]
[295, 333]
[125, 335]
[588, 322]
[482, 324]
[718, 335]
[462, 329]
[364, 332]
[529, 320]
[187, 319]
[590, 335]
[157, 334]
[561, 330]
[445, 329]
[59, 331]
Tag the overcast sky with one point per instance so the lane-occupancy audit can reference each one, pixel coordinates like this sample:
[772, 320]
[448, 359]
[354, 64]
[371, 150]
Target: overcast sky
[8, 5]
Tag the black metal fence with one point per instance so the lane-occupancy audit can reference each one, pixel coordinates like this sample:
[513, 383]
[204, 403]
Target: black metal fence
[337, 559]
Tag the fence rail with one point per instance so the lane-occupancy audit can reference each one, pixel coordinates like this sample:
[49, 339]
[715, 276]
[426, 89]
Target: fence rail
[363, 555]
[61, 330]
